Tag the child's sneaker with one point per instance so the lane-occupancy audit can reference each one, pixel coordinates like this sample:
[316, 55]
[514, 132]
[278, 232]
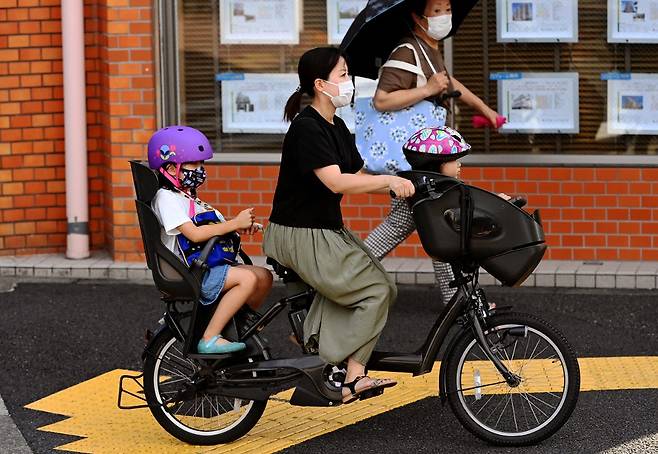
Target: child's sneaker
[212, 347]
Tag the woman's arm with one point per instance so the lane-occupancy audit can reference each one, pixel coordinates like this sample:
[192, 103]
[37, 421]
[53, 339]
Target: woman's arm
[378, 191]
[472, 100]
[399, 99]
[360, 183]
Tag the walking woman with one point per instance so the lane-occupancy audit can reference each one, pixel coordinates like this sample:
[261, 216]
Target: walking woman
[399, 87]
[319, 164]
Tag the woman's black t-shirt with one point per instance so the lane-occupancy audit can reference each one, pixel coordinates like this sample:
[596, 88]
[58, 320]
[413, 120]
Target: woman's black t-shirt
[301, 199]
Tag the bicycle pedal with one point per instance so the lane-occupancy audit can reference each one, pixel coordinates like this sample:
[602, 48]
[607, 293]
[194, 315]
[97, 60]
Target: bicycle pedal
[371, 393]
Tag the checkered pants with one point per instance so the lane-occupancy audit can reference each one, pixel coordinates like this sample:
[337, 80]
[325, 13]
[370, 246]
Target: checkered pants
[397, 226]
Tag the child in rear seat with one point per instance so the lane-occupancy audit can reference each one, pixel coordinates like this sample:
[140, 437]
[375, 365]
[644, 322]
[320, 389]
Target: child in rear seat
[177, 153]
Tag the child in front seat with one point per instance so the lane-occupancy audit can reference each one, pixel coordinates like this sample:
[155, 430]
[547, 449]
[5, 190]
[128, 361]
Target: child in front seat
[437, 150]
[177, 153]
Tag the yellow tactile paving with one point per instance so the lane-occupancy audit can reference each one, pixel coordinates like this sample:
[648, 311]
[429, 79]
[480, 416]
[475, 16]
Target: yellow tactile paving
[93, 414]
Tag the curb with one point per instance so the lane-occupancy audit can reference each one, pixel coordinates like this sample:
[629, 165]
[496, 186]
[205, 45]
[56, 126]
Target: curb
[549, 273]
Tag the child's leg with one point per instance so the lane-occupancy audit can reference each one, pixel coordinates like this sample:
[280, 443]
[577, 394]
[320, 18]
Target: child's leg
[395, 228]
[443, 275]
[263, 285]
[239, 286]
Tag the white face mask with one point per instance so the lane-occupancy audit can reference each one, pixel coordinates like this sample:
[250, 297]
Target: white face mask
[438, 27]
[345, 92]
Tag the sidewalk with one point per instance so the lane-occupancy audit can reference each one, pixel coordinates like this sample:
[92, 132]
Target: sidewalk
[11, 440]
[549, 273]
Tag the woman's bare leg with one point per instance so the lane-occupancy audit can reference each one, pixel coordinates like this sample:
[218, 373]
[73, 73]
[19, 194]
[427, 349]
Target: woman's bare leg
[354, 370]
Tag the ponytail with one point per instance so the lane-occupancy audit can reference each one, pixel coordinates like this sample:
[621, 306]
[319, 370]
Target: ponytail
[293, 106]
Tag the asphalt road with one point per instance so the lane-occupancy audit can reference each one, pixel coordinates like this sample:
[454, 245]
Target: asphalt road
[55, 335]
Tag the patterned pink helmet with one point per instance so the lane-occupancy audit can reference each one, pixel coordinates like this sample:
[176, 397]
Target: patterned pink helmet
[431, 146]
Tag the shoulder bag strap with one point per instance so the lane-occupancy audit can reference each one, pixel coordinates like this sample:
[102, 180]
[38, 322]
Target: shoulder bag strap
[429, 62]
[421, 79]
[191, 211]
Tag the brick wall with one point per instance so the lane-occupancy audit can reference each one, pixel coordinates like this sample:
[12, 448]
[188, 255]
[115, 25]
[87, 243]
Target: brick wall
[120, 114]
[588, 214]
[32, 202]
[128, 115]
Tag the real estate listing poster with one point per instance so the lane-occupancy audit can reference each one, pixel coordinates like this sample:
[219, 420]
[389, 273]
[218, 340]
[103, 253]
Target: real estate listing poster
[538, 102]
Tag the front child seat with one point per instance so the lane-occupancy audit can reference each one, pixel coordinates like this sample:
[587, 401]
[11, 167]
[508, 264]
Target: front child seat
[495, 234]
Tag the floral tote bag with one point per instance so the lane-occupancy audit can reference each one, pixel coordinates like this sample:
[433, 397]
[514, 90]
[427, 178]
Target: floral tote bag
[380, 135]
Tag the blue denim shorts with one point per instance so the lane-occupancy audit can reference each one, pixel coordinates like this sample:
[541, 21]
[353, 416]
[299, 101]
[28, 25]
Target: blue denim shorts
[213, 284]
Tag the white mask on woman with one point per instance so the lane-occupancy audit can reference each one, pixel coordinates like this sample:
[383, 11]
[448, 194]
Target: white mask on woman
[345, 92]
[438, 27]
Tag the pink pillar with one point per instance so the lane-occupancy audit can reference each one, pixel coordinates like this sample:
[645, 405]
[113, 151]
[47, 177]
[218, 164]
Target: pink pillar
[75, 129]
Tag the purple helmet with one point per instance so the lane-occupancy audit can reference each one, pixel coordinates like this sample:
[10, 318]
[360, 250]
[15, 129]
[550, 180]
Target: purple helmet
[431, 146]
[177, 144]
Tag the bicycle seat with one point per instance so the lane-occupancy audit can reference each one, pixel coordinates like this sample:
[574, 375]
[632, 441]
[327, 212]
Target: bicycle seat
[285, 273]
[171, 276]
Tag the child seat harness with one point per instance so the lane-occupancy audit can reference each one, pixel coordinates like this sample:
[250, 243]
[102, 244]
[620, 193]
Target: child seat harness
[226, 248]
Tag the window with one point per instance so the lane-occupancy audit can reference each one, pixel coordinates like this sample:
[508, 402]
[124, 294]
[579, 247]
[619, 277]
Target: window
[476, 54]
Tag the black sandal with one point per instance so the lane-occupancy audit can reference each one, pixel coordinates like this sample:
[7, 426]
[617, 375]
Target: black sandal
[377, 388]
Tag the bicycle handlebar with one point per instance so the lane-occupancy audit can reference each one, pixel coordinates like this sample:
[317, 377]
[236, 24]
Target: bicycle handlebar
[449, 95]
[518, 201]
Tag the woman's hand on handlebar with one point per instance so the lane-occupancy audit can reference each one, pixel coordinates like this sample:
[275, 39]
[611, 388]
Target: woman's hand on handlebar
[504, 196]
[401, 187]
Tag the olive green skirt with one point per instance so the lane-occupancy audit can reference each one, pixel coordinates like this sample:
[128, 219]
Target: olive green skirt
[354, 291]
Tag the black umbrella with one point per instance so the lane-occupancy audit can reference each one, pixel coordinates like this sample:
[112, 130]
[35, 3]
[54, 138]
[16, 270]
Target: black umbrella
[378, 29]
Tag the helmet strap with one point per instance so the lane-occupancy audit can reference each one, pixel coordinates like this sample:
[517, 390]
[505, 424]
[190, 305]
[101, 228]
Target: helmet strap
[169, 177]
[176, 180]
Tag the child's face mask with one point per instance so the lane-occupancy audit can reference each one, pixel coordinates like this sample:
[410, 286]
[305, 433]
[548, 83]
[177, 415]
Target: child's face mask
[192, 178]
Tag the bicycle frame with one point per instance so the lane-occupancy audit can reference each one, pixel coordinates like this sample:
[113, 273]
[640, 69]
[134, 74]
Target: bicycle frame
[422, 361]
[307, 374]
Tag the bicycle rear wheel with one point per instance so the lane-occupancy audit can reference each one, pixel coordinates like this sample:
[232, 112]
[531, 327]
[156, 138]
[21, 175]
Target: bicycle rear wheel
[182, 401]
[514, 415]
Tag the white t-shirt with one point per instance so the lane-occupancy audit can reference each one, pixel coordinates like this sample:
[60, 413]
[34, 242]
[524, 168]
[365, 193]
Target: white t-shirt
[172, 209]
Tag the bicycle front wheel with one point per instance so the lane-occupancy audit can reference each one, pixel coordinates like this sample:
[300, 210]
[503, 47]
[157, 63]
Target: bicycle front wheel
[514, 415]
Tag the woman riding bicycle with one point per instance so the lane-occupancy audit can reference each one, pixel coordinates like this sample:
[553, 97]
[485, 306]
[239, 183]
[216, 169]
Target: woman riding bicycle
[306, 233]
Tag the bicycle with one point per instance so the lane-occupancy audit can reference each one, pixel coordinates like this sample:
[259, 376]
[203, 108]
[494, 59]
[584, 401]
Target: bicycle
[510, 378]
